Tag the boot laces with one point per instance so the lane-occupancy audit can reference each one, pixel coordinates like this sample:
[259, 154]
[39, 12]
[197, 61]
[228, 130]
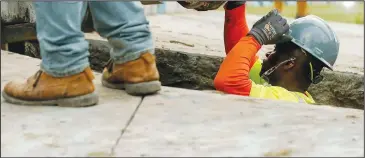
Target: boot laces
[109, 65]
[37, 76]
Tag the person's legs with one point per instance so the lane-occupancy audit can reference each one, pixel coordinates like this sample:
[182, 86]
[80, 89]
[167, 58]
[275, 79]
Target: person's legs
[133, 65]
[65, 78]
[64, 50]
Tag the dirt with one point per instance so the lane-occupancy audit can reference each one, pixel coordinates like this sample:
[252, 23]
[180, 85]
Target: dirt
[197, 71]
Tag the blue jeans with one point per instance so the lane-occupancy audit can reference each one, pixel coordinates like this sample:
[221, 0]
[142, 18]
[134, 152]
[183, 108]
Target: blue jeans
[63, 48]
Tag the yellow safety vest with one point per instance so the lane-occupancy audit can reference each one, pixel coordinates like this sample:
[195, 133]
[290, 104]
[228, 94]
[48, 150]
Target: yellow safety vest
[260, 89]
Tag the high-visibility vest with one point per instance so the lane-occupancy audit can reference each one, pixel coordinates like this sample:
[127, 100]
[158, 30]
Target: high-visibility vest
[261, 89]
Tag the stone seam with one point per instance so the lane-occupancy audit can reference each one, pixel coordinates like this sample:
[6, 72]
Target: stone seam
[112, 151]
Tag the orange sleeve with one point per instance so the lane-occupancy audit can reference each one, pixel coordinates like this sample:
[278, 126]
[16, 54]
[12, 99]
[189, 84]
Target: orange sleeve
[235, 27]
[233, 74]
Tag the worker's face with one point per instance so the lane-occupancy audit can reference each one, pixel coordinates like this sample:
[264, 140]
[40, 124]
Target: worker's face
[272, 59]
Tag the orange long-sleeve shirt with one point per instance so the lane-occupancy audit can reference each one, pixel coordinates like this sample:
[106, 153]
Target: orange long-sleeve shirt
[233, 75]
[242, 65]
[235, 27]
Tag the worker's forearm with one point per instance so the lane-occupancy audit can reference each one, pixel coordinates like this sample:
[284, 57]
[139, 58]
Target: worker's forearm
[233, 75]
[235, 26]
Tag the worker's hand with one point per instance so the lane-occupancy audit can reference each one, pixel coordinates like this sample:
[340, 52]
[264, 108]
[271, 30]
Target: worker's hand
[270, 28]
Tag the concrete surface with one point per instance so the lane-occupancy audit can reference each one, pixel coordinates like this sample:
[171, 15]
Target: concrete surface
[202, 32]
[191, 123]
[17, 12]
[175, 122]
[54, 131]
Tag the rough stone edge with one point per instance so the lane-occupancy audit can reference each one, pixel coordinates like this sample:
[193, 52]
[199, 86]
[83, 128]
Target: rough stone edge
[347, 89]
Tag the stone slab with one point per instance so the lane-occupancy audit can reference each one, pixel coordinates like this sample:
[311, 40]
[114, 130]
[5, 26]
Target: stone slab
[176, 122]
[55, 131]
[202, 32]
[17, 12]
[187, 123]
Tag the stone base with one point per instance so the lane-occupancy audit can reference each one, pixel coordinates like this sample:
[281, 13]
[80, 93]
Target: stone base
[174, 122]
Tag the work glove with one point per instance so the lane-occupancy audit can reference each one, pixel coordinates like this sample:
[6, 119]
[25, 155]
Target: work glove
[234, 4]
[270, 29]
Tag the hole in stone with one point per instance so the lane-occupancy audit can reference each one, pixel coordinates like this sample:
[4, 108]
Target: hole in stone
[195, 71]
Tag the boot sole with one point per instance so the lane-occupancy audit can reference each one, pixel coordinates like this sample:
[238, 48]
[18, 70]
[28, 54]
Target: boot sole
[80, 101]
[143, 88]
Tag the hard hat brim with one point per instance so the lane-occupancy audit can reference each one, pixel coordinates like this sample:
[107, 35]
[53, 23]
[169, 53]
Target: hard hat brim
[328, 65]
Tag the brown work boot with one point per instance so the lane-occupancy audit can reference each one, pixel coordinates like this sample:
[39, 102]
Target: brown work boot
[137, 77]
[43, 89]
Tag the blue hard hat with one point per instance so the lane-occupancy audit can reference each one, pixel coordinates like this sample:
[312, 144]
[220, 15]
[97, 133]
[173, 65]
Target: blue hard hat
[316, 37]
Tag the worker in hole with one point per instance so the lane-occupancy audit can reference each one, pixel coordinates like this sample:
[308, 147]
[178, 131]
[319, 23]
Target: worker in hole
[302, 50]
[65, 77]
